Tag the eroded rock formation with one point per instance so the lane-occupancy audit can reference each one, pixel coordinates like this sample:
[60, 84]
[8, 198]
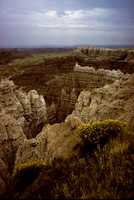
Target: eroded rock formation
[94, 94]
[100, 53]
[106, 58]
[29, 110]
[21, 116]
[58, 140]
[63, 90]
[50, 76]
[115, 101]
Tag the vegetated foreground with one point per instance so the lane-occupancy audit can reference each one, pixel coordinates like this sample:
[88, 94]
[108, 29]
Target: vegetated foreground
[104, 171]
[72, 159]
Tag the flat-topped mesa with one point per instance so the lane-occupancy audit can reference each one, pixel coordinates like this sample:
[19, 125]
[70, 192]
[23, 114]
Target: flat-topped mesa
[101, 72]
[84, 48]
[101, 53]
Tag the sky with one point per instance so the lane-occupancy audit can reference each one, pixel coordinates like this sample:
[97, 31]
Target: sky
[25, 23]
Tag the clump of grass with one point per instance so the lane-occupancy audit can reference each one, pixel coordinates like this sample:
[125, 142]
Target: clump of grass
[22, 168]
[102, 175]
[100, 132]
[25, 173]
[106, 173]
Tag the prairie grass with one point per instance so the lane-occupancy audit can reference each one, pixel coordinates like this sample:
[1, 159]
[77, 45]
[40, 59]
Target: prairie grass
[37, 58]
[104, 173]
[16, 68]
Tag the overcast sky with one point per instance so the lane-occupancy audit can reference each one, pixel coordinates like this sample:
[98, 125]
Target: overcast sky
[66, 22]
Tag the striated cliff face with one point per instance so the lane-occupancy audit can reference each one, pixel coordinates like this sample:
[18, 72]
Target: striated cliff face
[22, 116]
[88, 78]
[106, 58]
[100, 53]
[107, 94]
[89, 93]
[11, 122]
[115, 101]
[34, 111]
[51, 77]
[63, 90]
[53, 141]
[28, 109]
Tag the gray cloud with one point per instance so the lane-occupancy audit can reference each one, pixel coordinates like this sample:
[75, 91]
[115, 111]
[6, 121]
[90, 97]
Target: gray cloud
[65, 23]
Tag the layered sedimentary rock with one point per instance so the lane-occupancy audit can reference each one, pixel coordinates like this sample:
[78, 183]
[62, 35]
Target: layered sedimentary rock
[115, 101]
[100, 53]
[34, 111]
[106, 58]
[50, 76]
[28, 109]
[63, 90]
[93, 93]
[11, 122]
[22, 116]
[58, 140]
[88, 78]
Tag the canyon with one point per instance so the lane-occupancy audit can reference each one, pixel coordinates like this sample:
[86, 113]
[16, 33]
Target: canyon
[42, 104]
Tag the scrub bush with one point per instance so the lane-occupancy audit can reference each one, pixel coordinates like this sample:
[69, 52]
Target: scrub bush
[100, 132]
[25, 173]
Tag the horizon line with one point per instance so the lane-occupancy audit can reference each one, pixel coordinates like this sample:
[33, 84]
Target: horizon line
[67, 46]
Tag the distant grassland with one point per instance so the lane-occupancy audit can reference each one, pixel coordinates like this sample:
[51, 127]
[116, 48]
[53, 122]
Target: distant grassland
[13, 68]
[37, 58]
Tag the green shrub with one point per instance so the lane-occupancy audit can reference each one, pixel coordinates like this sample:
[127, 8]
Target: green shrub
[99, 132]
[25, 173]
[24, 167]
[101, 175]
[107, 173]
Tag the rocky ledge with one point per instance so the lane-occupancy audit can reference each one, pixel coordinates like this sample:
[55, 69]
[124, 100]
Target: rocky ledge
[22, 116]
[62, 91]
[115, 101]
[100, 53]
[90, 95]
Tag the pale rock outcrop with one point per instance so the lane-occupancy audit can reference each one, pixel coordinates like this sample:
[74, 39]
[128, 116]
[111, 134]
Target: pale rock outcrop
[114, 101]
[11, 137]
[58, 140]
[66, 103]
[114, 74]
[88, 78]
[73, 121]
[51, 116]
[21, 115]
[28, 109]
[9, 104]
[25, 102]
[64, 90]
[38, 106]
[101, 53]
[34, 111]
